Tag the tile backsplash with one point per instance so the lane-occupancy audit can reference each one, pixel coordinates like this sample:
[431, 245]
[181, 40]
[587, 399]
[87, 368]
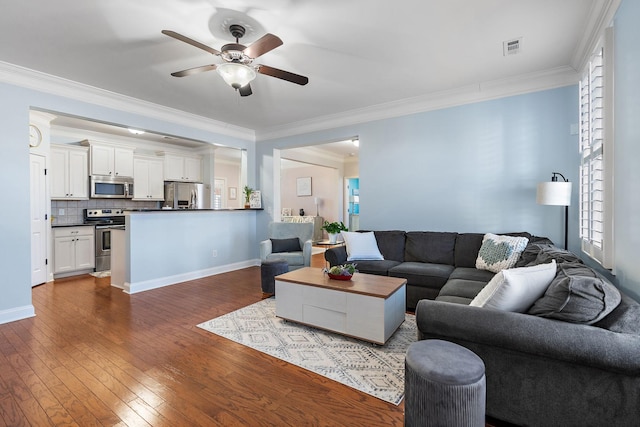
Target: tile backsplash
[71, 211]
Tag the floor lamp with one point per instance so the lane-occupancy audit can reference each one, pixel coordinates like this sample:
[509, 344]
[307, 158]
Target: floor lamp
[556, 193]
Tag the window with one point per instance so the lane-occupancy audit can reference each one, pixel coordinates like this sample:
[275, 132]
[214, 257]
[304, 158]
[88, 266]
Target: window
[596, 149]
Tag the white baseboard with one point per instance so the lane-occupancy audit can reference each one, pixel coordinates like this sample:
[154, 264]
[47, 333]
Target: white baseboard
[17, 313]
[132, 288]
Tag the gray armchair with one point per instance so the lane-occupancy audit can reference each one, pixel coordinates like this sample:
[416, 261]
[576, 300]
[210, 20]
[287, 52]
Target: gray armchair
[288, 230]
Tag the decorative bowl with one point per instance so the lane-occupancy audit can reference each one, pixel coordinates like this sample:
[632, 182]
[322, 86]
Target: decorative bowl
[339, 276]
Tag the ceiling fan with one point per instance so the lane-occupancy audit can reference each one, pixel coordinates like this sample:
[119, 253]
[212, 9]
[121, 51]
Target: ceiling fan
[238, 69]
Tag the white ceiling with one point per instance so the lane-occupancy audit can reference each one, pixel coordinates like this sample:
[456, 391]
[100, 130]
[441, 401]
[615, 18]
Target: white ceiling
[358, 54]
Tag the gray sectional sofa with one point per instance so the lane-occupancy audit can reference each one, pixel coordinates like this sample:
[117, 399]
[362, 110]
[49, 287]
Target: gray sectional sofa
[428, 260]
[575, 364]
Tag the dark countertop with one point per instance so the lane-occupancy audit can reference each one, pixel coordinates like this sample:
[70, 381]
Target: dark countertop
[193, 210]
[71, 225]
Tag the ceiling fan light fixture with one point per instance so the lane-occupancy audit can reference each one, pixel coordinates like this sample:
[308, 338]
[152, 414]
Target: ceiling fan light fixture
[235, 74]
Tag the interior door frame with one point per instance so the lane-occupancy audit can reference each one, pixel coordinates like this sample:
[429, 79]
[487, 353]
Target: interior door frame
[42, 200]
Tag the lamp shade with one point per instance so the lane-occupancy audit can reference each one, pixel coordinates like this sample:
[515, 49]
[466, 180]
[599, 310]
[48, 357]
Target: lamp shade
[235, 74]
[555, 193]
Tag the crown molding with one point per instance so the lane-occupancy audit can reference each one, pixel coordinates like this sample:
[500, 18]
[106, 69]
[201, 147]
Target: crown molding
[484, 91]
[600, 17]
[35, 80]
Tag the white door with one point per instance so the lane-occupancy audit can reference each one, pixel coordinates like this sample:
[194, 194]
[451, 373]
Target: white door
[219, 193]
[38, 220]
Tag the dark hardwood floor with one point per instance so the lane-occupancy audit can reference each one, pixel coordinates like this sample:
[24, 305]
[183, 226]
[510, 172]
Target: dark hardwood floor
[95, 356]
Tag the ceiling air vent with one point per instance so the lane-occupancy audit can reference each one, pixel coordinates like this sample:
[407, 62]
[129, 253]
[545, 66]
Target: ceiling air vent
[511, 47]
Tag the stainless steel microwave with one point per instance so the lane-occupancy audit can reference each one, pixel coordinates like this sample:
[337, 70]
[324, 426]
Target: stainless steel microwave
[106, 187]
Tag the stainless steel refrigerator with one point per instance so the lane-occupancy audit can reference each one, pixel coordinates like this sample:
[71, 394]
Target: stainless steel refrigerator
[184, 195]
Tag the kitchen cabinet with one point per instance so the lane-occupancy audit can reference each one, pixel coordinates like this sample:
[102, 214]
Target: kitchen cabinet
[111, 160]
[73, 249]
[148, 178]
[69, 174]
[182, 168]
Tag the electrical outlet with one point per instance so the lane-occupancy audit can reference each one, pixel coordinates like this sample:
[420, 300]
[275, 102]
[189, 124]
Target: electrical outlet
[215, 253]
[60, 211]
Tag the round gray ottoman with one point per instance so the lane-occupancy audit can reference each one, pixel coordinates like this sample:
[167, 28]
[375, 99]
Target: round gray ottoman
[444, 385]
[269, 269]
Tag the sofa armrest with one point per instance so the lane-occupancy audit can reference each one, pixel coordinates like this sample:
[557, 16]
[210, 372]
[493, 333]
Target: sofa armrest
[336, 255]
[307, 249]
[524, 333]
[265, 249]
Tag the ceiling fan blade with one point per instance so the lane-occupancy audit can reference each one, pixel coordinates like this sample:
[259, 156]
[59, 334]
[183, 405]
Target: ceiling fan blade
[245, 90]
[194, 70]
[263, 45]
[192, 42]
[284, 75]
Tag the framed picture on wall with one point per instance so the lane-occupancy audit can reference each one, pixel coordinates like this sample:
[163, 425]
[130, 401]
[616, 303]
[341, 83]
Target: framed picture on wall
[255, 201]
[303, 186]
[233, 193]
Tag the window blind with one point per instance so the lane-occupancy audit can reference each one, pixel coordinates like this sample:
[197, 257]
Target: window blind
[596, 177]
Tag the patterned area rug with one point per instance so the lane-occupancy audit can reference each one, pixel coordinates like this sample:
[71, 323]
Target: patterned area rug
[371, 368]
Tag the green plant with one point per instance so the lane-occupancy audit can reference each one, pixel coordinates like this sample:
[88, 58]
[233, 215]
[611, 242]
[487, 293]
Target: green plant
[247, 193]
[334, 227]
[343, 270]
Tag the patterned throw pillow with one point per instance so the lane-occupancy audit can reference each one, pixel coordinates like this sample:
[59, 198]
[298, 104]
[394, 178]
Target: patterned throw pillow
[499, 252]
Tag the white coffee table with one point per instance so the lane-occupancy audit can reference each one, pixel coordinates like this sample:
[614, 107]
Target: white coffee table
[367, 307]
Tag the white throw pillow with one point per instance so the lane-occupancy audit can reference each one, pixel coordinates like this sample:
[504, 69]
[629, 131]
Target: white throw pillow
[361, 246]
[516, 289]
[499, 252]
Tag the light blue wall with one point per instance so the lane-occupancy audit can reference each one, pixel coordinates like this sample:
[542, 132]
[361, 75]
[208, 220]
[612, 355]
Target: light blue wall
[15, 102]
[167, 244]
[627, 146]
[472, 168]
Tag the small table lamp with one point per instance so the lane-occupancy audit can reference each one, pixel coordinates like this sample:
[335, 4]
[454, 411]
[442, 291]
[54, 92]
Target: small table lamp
[556, 193]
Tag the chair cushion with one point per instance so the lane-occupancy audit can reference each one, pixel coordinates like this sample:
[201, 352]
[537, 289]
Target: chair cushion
[285, 245]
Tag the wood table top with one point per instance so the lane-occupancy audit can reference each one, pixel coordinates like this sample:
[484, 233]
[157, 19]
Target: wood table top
[360, 283]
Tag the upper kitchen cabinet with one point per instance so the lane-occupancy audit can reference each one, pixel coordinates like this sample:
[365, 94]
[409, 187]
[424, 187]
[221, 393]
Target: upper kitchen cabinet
[179, 167]
[69, 172]
[111, 160]
[149, 178]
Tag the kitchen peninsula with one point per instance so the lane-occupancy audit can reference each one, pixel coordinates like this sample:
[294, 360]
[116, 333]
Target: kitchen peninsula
[162, 247]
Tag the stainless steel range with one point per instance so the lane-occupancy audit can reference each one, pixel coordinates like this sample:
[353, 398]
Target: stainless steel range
[105, 220]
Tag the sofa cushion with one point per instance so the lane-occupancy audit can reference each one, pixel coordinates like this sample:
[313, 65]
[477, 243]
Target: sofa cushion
[499, 252]
[422, 273]
[625, 318]
[516, 289]
[543, 253]
[430, 247]
[379, 267]
[578, 295]
[361, 246]
[454, 299]
[467, 248]
[461, 288]
[285, 245]
[472, 274]
[391, 244]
